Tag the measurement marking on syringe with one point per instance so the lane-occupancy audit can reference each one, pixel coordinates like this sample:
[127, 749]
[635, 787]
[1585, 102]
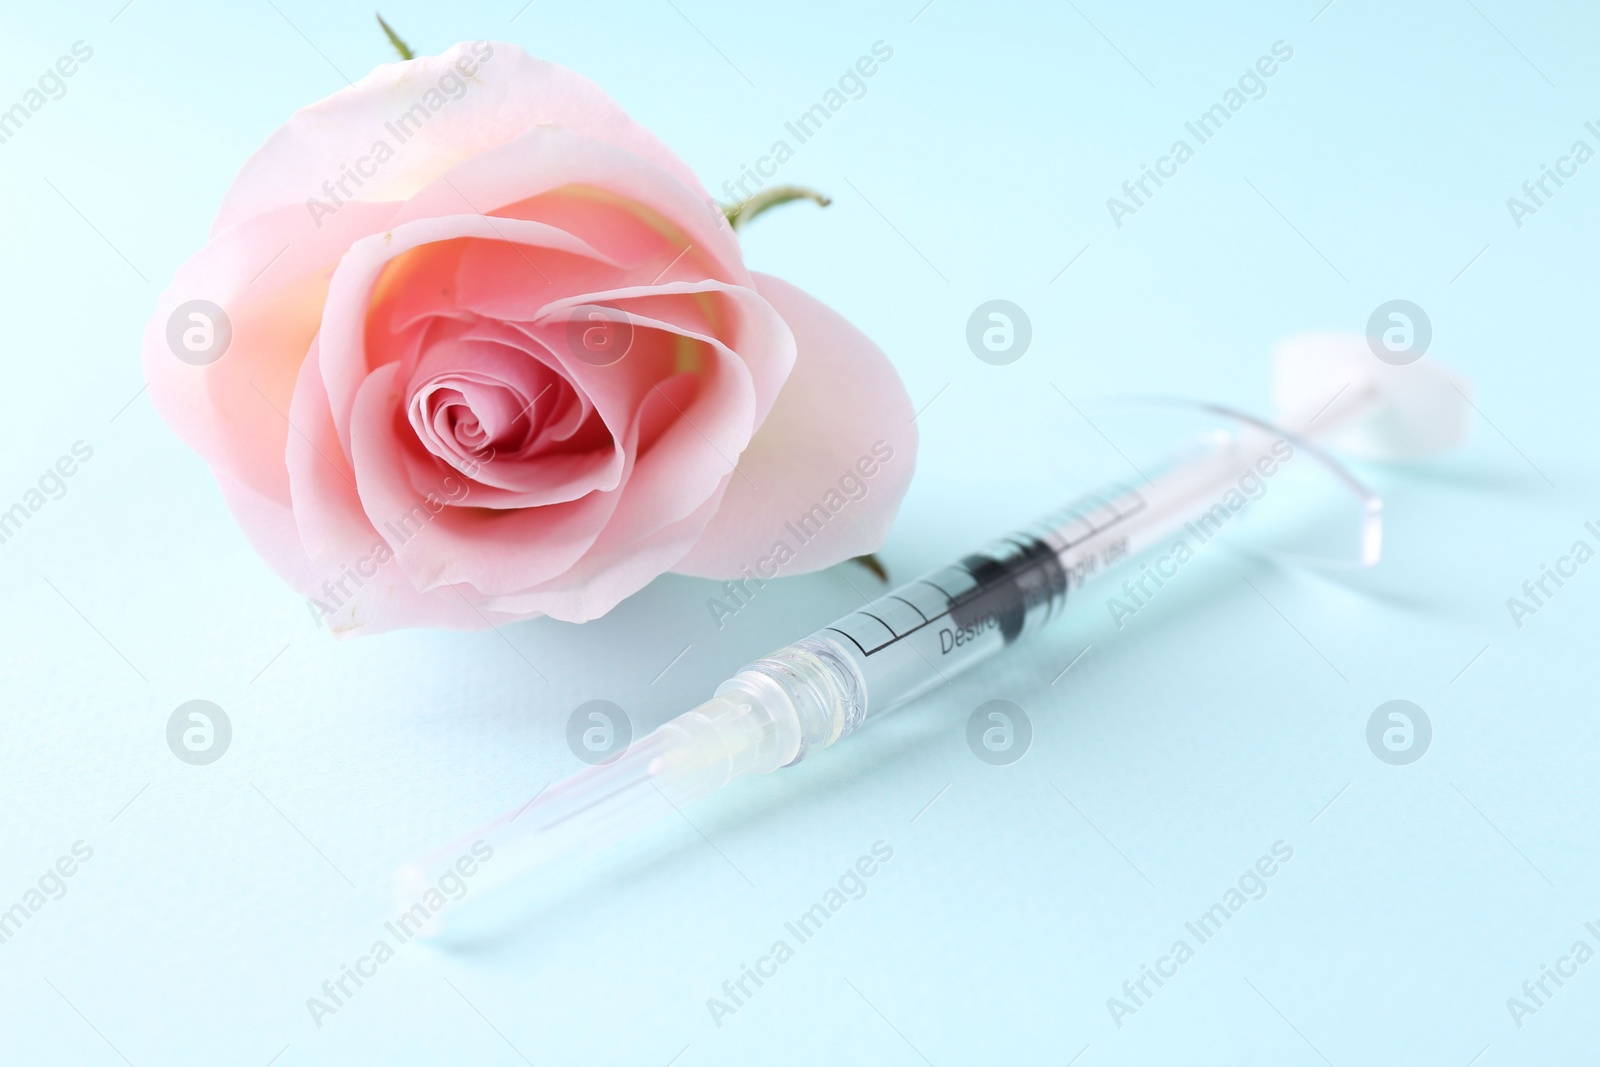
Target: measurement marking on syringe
[910, 605]
[852, 640]
[1139, 504]
[894, 637]
[999, 579]
[979, 589]
[1098, 514]
[879, 621]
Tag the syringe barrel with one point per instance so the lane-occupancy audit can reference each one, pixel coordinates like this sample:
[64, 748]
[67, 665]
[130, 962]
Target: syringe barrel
[922, 634]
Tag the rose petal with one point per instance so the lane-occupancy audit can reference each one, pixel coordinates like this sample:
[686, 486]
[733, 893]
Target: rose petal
[620, 203]
[269, 276]
[843, 404]
[332, 528]
[494, 551]
[382, 600]
[345, 358]
[593, 586]
[509, 93]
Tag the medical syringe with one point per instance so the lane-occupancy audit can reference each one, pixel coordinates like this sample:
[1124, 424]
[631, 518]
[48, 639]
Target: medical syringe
[809, 695]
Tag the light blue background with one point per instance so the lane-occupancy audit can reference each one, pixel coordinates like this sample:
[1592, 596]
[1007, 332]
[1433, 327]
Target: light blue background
[977, 166]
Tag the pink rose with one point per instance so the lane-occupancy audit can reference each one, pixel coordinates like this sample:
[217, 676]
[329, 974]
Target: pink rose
[467, 345]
